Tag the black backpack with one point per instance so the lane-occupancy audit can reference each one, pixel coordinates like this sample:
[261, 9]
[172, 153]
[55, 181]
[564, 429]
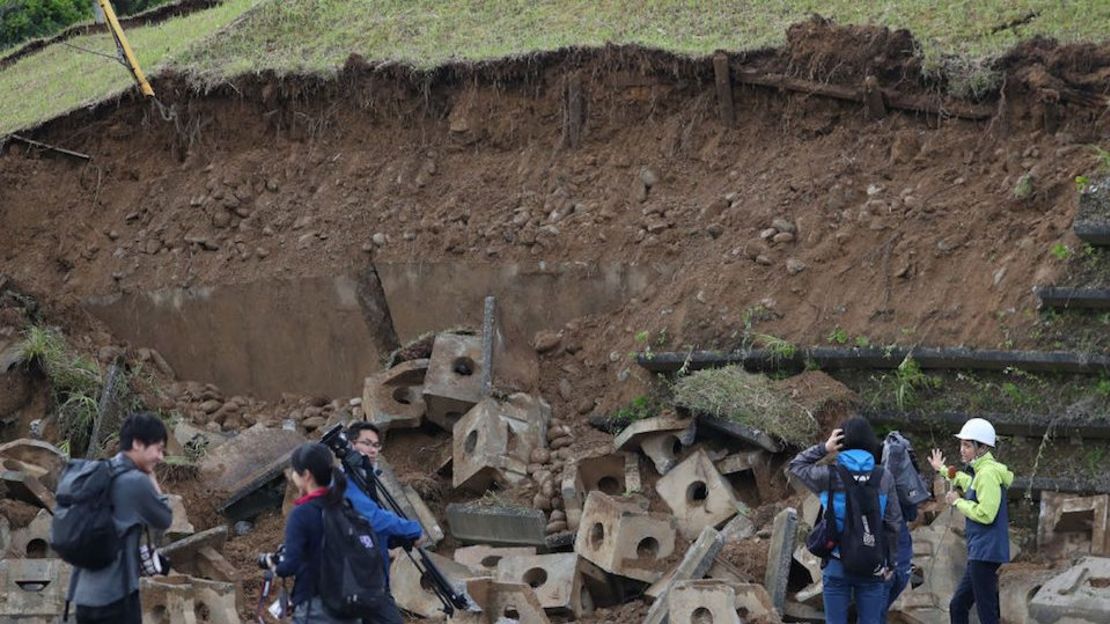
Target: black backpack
[352, 574]
[83, 530]
[861, 541]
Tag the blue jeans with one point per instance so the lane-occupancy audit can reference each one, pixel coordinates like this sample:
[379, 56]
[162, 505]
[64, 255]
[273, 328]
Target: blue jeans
[902, 569]
[978, 587]
[840, 587]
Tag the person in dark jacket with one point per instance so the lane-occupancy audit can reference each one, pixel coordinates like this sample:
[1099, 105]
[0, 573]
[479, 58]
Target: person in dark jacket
[856, 448]
[988, 524]
[319, 483]
[111, 595]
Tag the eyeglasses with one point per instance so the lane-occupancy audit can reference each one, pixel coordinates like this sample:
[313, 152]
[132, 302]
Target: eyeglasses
[376, 445]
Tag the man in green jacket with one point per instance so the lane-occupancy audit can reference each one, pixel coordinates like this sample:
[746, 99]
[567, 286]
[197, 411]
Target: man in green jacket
[984, 504]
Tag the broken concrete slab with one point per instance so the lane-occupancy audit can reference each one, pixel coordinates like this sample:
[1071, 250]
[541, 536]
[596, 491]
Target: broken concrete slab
[24, 487]
[661, 438]
[494, 441]
[741, 526]
[33, 590]
[412, 595]
[483, 558]
[623, 539]
[44, 455]
[554, 578]
[233, 464]
[701, 601]
[185, 550]
[941, 553]
[180, 527]
[720, 570]
[33, 540]
[220, 600]
[387, 479]
[496, 524]
[453, 383]
[780, 554]
[506, 602]
[167, 600]
[754, 604]
[210, 564]
[1017, 586]
[1080, 594]
[432, 531]
[394, 398]
[1069, 525]
[261, 490]
[741, 432]
[741, 462]
[695, 563]
[632, 481]
[697, 494]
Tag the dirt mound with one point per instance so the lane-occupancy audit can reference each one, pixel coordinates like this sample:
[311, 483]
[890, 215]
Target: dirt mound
[820, 49]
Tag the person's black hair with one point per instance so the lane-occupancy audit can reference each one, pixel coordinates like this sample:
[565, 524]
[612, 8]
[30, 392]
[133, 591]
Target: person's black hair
[144, 427]
[858, 435]
[320, 463]
[357, 427]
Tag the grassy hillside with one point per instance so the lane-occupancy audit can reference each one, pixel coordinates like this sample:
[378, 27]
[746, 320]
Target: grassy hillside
[318, 36]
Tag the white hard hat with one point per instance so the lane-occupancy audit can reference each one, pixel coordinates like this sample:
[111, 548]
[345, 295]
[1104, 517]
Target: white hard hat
[977, 430]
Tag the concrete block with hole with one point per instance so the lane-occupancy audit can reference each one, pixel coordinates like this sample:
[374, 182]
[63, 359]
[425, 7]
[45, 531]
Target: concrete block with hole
[33, 590]
[555, 579]
[493, 442]
[661, 438]
[453, 383]
[483, 558]
[697, 494]
[1070, 525]
[719, 570]
[754, 604]
[506, 601]
[614, 474]
[621, 538]
[414, 594]
[1079, 594]
[702, 602]
[694, 565]
[167, 600]
[394, 398]
[33, 540]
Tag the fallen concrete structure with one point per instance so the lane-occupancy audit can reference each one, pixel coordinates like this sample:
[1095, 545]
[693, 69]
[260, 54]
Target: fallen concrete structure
[695, 563]
[33, 540]
[1017, 586]
[559, 586]
[493, 442]
[178, 599]
[233, 464]
[484, 559]
[941, 553]
[453, 382]
[697, 494]
[33, 591]
[1080, 594]
[621, 538]
[496, 524]
[661, 438]
[24, 486]
[702, 602]
[411, 593]
[394, 398]
[780, 555]
[613, 474]
[1071, 525]
[506, 602]
[39, 459]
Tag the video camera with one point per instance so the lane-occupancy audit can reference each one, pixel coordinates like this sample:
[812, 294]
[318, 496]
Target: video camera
[265, 559]
[336, 439]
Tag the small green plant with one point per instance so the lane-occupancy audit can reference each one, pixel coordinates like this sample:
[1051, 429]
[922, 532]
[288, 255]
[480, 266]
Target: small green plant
[863, 342]
[908, 380]
[1093, 460]
[1102, 388]
[1103, 157]
[779, 348]
[838, 336]
[1081, 183]
[1024, 187]
[74, 382]
[1060, 251]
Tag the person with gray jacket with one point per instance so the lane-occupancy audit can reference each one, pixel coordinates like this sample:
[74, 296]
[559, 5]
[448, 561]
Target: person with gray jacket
[111, 594]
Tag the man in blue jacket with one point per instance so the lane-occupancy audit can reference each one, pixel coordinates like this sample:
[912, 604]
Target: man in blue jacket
[366, 439]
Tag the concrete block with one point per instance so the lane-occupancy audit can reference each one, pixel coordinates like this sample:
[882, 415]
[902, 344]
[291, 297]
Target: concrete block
[695, 563]
[940, 551]
[614, 474]
[33, 589]
[753, 603]
[496, 524]
[719, 570]
[741, 432]
[42, 455]
[661, 438]
[632, 481]
[427, 519]
[1080, 594]
[181, 527]
[494, 441]
[780, 555]
[167, 600]
[741, 526]
[1070, 525]
[554, 578]
[233, 464]
[506, 602]
[1016, 587]
[795, 611]
[33, 540]
[394, 398]
[484, 559]
[25, 487]
[211, 564]
[453, 383]
[622, 539]
[184, 551]
[263, 489]
[697, 494]
[412, 595]
[808, 561]
[702, 602]
[741, 462]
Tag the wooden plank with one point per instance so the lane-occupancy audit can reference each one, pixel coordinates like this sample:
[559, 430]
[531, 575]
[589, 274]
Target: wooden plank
[722, 78]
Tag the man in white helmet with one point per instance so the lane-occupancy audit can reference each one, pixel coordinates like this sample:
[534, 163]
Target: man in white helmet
[984, 484]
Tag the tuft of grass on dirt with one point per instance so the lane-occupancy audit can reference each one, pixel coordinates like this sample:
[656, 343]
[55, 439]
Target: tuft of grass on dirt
[732, 393]
[74, 383]
[62, 78]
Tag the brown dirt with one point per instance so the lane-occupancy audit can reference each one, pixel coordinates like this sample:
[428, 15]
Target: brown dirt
[18, 513]
[911, 218]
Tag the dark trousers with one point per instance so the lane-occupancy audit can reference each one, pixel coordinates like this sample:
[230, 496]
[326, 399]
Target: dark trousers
[979, 586]
[386, 613]
[123, 611]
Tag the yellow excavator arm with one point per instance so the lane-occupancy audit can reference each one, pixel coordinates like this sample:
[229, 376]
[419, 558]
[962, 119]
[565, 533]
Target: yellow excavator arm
[124, 48]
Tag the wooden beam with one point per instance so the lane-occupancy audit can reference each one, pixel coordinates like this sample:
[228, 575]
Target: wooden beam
[722, 78]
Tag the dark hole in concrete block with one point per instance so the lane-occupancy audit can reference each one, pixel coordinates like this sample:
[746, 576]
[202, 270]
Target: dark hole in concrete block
[597, 535]
[609, 485]
[32, 586]
[511, 612]
[403, 395]
[463, 366]
[1075, 521]
[701, 615]
[471, 442]
[676, 446]
[491, 561]
[647, 548]
[696, 493]
[36, 549]
[1099, 583]
[535, 577]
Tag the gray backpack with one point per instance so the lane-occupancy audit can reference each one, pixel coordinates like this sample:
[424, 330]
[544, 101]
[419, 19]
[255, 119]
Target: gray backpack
[901, 461]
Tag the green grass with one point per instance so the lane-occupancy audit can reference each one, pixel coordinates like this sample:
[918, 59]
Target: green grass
[317, 37]
[60, 79]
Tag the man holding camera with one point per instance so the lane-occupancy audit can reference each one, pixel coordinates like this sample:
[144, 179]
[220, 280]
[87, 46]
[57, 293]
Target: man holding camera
[391, 529]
